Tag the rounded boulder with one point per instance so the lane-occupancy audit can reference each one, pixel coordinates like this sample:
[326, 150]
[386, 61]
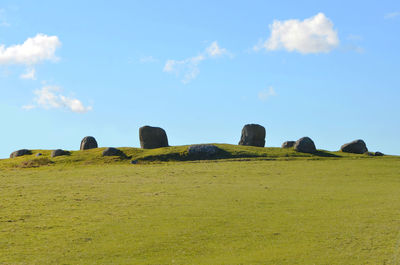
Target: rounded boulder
[355, 147]
[20, 152]
[152, 137]
[253, 135]
[305, 145]
[59, 152]
[111, 151]
[89, 142]
[206, 150]
[288, 144]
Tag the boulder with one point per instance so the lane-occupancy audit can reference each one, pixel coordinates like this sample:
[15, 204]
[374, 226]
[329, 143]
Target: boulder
[152, 137]
[206, 150]
[111, 151]
[88, 142]
[379, 154]
[253, 135]
[355, 147]
[21, 152]
[288, 144]
[305, 145]
[59, 152]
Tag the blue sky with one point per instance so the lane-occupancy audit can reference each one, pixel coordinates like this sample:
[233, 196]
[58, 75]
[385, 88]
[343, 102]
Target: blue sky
[200, 70]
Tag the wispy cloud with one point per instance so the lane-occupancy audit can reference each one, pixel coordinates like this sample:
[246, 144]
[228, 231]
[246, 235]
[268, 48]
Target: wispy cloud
[189, 68]
[3, 19]
[148, 59]
[50, 97]
[265, 94]
[312, 35]
[32, 51]
[392, 15]
[29, 74]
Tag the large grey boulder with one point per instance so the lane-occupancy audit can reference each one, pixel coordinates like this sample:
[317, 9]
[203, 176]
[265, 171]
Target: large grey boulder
[59, 152]
[253, 135]
[355, 147]
[288, 144]
[305, 145]
[152, 137]
[88, 142]
[21, 152]
[111, 151]
[206, 150]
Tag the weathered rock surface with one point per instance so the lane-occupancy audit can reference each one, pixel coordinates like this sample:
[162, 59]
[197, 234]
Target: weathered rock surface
[288, 144]
[305, 145]
[152, 137]
[88, 142]
[111, 151]
[355, 147]
[253, 135]
[206, 150]
[59, 152]
[379, 154]
[21, 152]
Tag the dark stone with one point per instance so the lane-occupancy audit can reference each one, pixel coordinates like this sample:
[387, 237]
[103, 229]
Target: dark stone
[134, 162]
[288, 144]
[305, 145]
[152, 137]
[59, 152]
[39, 154]
[253, 135]
[355, 147]
[206, 150]
[379, 154]
[21, 152]
[111, 151]
[89, 142]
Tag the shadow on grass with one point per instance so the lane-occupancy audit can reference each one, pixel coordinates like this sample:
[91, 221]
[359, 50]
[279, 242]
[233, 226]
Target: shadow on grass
[325, 154]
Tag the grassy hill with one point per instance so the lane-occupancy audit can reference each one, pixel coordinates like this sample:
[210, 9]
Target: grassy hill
[249, 206]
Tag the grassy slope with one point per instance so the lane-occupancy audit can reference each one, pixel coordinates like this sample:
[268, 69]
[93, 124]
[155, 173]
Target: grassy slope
[83, 209]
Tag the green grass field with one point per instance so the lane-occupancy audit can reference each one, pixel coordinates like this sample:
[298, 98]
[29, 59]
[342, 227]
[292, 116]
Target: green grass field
[255, 206]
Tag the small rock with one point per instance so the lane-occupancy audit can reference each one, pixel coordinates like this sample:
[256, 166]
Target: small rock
[203, 149]
[253, 135]
[59, 152]
[134, 162]
[379, 154]
[288, 144]
[111, 151]
[21, 152]
[355, 147]
[39, 154]
[89, 142]
[152, 137]
[305, 145]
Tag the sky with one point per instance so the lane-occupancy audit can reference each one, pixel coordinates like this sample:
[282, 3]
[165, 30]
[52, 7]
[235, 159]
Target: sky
[199, 69]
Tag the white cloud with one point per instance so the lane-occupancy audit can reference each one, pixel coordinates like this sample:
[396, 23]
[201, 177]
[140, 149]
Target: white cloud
[266, 93]
[189, 67]
[30, 74]
[312, 35]
[28, 107]
[32, 51]
[50, 97]
[392, 15]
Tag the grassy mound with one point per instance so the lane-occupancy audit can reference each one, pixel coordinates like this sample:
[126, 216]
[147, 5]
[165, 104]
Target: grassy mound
[173, 153]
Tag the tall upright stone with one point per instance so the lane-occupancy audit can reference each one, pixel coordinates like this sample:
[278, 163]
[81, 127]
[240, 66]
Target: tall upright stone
[253, 135]
[88, 142]
[152, 137]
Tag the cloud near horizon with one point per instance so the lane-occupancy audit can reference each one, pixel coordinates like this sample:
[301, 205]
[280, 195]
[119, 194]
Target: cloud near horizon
[312, 35]
[50, 97]
[188, 67]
